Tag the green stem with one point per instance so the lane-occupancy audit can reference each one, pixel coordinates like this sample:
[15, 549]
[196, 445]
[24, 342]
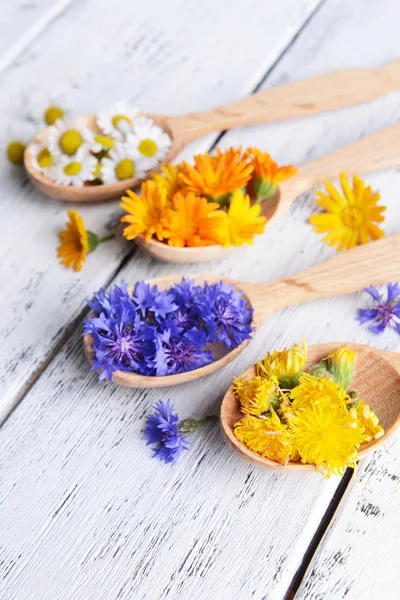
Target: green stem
[191, 425]
[106, 238]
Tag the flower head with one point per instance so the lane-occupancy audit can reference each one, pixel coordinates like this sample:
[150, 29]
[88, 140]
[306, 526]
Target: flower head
[169, 179]
[367, 420]
[145, 212]
[341, 365]
[286, 365]
[74, 242]
[152, 144]
[311, 390]
[265, 435]
[215, 177]
[267, 175]
[181, 353]
[162, 429]
[257, 395]
[121, 163]
[351, 217]
[15, 152]
[72, 170]
[243, 221]
[68, 136]
[385, 313]
[191, 221]
[117, 120]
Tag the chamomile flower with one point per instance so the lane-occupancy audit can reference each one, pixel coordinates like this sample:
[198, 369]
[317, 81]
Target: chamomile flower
[102, 143]
[68, 136]
[121, 164]
[151, 143]
[117, 119]
[42, 158]
[74, 170]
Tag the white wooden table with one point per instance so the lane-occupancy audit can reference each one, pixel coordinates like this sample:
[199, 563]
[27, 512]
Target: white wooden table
[85, 512]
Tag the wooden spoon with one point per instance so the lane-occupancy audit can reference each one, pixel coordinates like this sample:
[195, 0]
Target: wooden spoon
[348, 272]
[300, 98]
[376, 381]
[377, 151]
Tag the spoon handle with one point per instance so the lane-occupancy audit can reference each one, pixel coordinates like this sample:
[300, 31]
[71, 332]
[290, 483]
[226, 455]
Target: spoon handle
[296, 99]
[375, 263]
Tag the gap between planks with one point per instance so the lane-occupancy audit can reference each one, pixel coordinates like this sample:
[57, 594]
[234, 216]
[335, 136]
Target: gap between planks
[29, 36]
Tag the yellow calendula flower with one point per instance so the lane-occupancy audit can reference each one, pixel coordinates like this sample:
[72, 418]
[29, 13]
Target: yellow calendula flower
[286, 365]
[242, 222]
[215, 177]
[145, 212]
[188, 222]
[74, 242]
[368, 421]
[267, 175]
[351, 217]
[258, 394]
[265, 435]
[169, 179]
[341, 364]
[327, 435]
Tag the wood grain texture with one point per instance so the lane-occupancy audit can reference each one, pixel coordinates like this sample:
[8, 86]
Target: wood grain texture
[89, 499]
[146, 63]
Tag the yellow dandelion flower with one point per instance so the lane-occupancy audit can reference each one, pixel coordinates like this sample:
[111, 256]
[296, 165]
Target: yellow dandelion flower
[341, 364]
[267, 175]
[215, 177]
[368, 421]
[145, 212]
[286, 365]
[74, 242]
[188, 223]
[312, 390]
[169, 179]
[265, 435]
[351, 217]
[326, 434]
[242, 221]
[257, 395]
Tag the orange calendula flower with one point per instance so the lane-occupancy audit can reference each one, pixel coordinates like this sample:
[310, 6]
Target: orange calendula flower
[267, 175]
[243, 221]
[216, 176]
[145, 212]
[189, 223]
[74, 244]
[266, 436]
[351, 217]
[169, 179]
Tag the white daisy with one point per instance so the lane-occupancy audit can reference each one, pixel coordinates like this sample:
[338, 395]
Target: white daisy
[117, 120]
[74, 170]
[121, 164]
[102, 143]
[42, 158]
[151, 143]
[68, 136]
[48, 111]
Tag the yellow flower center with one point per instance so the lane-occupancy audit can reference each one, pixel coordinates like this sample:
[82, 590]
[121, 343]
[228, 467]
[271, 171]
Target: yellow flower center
[44, 158]
[105, 141]
[119, 120]
[148, 147]
[97, 171]
[73, 168]
[70, 141]
[352, 217]
[15, 152]
[52, 113]
[125, 169]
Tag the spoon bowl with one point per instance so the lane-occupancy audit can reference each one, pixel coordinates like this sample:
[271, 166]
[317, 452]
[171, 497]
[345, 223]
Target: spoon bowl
[376, 381]
[374, 263]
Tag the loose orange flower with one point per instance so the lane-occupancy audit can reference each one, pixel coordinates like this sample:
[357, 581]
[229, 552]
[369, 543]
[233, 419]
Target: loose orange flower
[267, 175]
[74, 242]
[242, 221]
[169, 179]
[216, 176]
[145, 212]
[189, 224]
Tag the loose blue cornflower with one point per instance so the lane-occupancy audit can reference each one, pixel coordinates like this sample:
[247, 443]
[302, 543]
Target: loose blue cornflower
[163, 431]
[164, 332]
[385, 313]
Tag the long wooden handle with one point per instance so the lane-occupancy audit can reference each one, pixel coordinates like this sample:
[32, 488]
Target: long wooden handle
[297, 99]
[374, 263]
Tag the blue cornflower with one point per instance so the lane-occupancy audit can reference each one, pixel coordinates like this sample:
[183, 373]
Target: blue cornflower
[181, 354]
[226, 314]
[105, 302]
[385, 313]
[162, 429]
[143, 297]
[185, 293]
[163, 304]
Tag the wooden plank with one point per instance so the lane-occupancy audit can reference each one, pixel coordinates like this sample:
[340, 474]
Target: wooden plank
[21, 22]
[359, 556]
[154, 57]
